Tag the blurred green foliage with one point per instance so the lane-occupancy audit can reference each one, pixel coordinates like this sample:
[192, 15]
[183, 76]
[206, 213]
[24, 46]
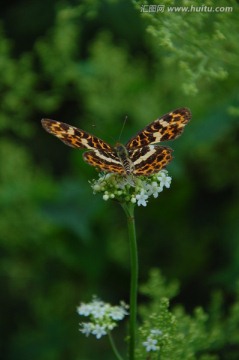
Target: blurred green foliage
[200, 335]
[185, 41]
[90, 64]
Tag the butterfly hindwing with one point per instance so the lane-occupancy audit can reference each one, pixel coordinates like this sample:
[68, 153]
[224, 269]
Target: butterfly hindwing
[150, 159]
[104, 161]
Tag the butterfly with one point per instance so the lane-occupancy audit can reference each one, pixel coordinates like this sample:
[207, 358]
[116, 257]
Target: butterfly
[138, 157]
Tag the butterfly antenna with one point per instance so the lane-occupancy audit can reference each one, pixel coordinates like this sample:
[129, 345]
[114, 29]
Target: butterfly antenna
[123, 126]
[102, 133]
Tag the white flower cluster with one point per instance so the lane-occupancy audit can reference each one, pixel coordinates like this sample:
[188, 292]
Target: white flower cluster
[136, 190]
[103, 317]
[152, 340]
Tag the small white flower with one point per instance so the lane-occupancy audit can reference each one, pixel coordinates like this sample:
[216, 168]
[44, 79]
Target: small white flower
[111, 326]
[164, 179]
[141, 198]
[96, 187]
[99, 331]
[86, 328]
[118, 313]
[98, 309]
[133, 199]
[154, 189]
[151, 344]
[106, 197]
[84, 309]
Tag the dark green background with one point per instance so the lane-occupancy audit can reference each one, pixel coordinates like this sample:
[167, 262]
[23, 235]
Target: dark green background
[90, 64]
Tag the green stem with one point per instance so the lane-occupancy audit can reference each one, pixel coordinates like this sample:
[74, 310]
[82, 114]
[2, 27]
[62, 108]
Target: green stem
[129, 210]
[114, 347]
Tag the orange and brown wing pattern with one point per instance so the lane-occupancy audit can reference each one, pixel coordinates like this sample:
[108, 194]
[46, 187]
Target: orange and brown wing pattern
[104, 161]
[168, 127]
[73, 136]
[150, 159]
[143, 157]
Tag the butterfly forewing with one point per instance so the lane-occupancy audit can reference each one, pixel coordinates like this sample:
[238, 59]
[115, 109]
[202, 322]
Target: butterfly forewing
[168, 127]
[73, 136]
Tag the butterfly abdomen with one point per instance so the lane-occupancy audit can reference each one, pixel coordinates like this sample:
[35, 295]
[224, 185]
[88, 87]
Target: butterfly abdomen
[124, 158]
